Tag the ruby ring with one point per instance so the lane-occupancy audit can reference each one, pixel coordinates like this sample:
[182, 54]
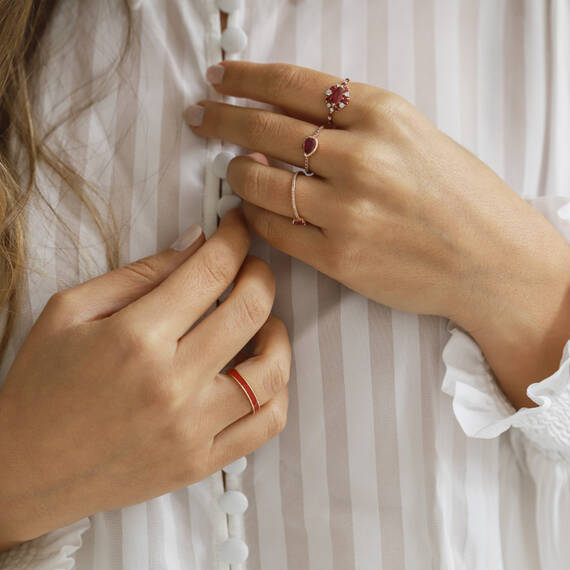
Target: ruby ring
[310, 145]
[337, 97]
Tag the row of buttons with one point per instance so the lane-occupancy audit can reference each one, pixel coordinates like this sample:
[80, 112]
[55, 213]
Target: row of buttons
[233, 39]
[234, 550]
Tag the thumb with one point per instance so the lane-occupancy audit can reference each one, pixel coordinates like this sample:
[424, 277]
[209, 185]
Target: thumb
[106, 294]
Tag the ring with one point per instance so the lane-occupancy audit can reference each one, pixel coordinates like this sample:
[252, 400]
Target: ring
[297, 220]
[247, 389]
[310, 145]
[337, 97]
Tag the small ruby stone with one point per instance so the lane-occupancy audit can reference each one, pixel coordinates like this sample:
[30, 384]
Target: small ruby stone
[309, 145]
[336, 95]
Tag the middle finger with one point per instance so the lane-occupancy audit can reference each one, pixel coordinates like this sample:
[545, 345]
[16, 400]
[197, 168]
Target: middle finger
[270, 188]
[271, 133]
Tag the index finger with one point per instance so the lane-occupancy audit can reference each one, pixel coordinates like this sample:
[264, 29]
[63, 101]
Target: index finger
[297, 90]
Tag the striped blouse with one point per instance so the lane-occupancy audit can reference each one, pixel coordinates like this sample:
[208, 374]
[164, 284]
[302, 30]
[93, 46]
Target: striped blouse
[397, 452]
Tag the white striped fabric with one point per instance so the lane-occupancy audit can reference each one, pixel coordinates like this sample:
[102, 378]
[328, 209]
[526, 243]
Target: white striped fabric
[372, 471]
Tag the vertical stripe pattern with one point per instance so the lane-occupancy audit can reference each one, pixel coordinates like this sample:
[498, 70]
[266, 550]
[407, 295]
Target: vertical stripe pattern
[372, 471]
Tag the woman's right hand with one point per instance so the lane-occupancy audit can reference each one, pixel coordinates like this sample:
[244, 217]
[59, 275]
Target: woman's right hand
[109, 403]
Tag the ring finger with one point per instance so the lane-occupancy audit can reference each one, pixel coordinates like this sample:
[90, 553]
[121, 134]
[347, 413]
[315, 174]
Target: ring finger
[271, 133]
[267, 373]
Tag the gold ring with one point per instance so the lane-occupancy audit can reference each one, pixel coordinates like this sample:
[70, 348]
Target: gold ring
[297, 220]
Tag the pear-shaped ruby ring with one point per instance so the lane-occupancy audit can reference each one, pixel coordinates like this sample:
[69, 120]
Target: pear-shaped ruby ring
[337, 97]
[310, 145]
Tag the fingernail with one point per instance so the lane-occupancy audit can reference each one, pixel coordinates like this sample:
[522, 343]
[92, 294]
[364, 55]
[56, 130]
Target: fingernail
[194, 115]
[258, 157]
[190, 236]
[215, 74]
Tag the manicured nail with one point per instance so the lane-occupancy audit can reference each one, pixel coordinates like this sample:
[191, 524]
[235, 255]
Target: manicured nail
[215, 74]
[194, 115]
[190, 236]
[258, 157]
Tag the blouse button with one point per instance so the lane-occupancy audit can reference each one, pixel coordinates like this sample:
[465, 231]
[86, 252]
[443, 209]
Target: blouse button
[233, 502]
[229, 6]
[233, 551]
[227, 203]
[236, 467]
[234, 40]
[220, 164]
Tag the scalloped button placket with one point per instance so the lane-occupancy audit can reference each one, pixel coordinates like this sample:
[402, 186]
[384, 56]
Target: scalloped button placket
[233, 502]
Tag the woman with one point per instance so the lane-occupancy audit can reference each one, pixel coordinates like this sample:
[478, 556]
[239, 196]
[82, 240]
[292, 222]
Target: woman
[416, 255]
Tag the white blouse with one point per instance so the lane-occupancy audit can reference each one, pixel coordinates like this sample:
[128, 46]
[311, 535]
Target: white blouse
[397, 452]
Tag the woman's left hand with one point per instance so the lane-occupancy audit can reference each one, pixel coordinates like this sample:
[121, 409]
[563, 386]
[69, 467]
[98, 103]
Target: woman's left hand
[397, 210]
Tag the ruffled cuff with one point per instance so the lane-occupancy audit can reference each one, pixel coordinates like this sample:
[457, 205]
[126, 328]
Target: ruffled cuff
[480, 406]
[482, 409]
[52, 551]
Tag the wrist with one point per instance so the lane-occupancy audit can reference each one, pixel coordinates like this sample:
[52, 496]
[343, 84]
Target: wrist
[21, 513]
[522, 321]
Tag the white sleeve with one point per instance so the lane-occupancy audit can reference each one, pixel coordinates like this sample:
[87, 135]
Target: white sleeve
[542, 433]
[52, 551]
[483, 410]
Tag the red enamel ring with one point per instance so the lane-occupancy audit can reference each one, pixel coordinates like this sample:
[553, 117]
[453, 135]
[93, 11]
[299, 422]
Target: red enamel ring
[247, 389]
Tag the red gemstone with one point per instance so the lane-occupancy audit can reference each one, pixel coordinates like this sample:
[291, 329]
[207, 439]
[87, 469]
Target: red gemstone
[336, 95]
[299, 222]
[309, 145]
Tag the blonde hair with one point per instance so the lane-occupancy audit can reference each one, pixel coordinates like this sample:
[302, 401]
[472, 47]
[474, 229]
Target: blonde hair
[22, 24]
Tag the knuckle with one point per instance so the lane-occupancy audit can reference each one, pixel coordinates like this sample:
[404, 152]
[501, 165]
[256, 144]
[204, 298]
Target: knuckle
[253, 180]
[146, 345]
[146, 342]
[218, 266]
[386, 107]
[163, 393]
[277, 377]
[179, 432]
[260, 124]
[260, 280]
[277, 419]
[255, 307]
[146, 269]
[62, 302]
[284, 77]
